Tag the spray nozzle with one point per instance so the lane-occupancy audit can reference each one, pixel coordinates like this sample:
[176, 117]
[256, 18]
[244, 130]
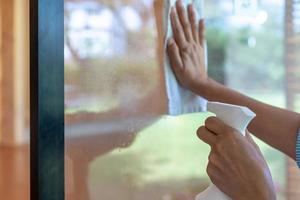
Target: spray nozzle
[237, 117]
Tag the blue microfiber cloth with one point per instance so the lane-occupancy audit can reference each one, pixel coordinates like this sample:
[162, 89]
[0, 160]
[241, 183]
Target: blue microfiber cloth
[180, 100]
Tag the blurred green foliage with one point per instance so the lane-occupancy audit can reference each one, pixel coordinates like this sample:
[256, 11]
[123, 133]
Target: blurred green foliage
[217, 42]
[247, 58]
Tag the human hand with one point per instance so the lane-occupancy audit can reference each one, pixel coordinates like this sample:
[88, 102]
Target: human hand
[236, 165]
[186, 48]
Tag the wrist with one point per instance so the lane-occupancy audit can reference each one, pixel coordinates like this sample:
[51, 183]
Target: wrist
[207, 88]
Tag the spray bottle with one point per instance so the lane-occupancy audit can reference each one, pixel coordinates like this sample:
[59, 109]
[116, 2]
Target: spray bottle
[237, 117]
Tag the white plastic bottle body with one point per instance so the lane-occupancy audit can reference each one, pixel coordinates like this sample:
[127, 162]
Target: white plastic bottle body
[212, 193]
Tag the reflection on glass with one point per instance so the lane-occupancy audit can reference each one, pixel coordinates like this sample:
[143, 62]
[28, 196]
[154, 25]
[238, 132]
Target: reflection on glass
[119, 145]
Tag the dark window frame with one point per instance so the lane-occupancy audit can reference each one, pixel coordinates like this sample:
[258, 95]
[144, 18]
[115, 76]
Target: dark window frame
[47, 99]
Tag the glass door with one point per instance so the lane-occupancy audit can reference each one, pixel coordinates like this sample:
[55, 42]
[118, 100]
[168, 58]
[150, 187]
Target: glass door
[119, 142]
[98, 100]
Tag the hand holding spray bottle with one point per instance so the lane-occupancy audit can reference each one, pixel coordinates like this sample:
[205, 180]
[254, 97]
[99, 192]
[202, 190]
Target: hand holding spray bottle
[237, 117]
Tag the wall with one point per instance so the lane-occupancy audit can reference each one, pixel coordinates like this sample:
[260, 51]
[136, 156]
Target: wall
[14, 69]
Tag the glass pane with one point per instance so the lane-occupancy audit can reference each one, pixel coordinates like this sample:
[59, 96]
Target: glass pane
[246, 51]
[119, 145]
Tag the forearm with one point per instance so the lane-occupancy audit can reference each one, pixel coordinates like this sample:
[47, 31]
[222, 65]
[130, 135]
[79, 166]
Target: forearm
[275, 126]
